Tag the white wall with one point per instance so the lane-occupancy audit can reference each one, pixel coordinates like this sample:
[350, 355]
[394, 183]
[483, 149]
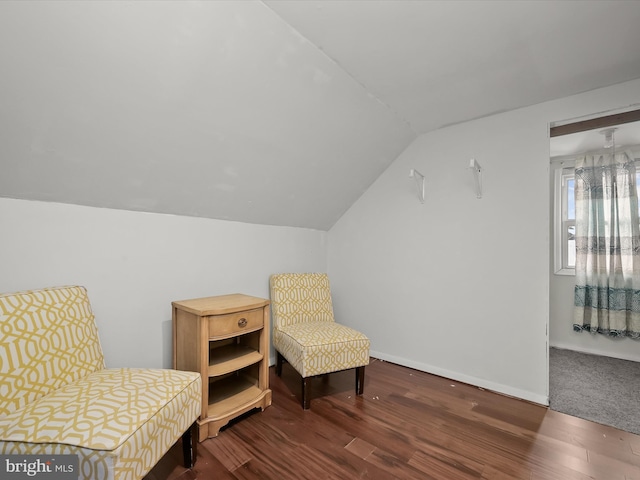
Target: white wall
[134, 264]
[459, 286]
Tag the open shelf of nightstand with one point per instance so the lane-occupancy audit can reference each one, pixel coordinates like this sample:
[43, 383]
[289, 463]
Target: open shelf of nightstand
[230, 358]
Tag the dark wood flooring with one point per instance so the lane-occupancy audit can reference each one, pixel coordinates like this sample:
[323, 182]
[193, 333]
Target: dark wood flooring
[407, 425]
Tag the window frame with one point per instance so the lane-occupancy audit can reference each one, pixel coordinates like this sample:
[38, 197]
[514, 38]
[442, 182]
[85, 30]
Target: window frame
[563, 172]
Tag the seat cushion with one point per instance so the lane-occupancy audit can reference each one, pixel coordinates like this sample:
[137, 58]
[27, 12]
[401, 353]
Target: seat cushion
[119, 422]
[315, 348]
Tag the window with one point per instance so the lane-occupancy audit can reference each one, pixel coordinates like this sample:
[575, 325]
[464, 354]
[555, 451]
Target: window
[565, 222]
[568, 140]
[565, 218]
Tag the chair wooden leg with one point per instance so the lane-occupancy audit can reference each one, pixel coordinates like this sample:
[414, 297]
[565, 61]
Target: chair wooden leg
[306, 402]
[279, 360]
[190, 445]
[359, 380]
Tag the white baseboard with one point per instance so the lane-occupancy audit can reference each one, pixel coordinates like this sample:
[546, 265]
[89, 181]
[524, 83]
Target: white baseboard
[460, 377]
[595, 351]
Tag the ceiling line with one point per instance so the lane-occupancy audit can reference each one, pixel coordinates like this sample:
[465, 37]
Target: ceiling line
[349, 74]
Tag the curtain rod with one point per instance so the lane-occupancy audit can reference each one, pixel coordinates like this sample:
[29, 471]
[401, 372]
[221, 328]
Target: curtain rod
[634, 149]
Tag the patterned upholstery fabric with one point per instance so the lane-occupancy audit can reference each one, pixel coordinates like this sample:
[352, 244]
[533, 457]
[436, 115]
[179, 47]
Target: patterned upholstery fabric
[304, 328]
[58, 398]
[48, 338]
[300, 298]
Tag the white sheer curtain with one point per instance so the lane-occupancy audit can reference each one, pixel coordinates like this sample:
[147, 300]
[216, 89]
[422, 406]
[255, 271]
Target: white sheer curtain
[607, 291]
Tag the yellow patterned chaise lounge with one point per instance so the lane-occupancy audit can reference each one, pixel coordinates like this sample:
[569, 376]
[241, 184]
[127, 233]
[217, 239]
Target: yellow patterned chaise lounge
[306, 334]
[57, 397]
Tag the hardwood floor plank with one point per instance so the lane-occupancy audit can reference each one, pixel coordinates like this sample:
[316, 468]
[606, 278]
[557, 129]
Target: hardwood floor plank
[441, 465]
[231, 453]
[491, 473]
[407, 425]
[609, 463]
[359, 447]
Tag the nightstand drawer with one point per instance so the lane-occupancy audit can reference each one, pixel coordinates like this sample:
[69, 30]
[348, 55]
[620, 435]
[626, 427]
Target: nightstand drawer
[222, 326]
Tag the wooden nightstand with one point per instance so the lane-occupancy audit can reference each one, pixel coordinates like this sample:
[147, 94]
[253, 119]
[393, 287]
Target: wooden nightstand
[226, 339]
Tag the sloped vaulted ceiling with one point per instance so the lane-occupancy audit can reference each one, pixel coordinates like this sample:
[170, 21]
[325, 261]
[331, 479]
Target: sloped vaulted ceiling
[213, 109]
[442, 62]
[272, 112]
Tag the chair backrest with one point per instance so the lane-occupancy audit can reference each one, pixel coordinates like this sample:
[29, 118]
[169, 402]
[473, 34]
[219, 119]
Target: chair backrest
[48, 338]
[300, 297]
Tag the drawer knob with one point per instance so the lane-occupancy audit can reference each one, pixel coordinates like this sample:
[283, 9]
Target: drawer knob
[242, 322]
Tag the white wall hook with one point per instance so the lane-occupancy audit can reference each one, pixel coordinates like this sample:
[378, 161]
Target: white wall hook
[477, 176]
[419, 181]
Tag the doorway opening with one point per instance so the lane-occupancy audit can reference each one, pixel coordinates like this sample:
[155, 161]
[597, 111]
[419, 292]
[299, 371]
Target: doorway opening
[571, 351]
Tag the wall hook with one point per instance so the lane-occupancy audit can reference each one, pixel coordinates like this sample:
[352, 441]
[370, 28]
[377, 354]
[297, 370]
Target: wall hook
[477, 176]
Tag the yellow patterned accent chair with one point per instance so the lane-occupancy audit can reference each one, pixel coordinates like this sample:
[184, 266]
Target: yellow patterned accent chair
[306, 334]
[57, 397]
